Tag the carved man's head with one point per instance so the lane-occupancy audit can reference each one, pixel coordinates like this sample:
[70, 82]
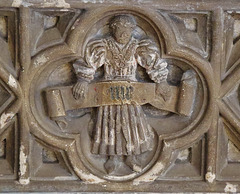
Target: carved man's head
[122, 27]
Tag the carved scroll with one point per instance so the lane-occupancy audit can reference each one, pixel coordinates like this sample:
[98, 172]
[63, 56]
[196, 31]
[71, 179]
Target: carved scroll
[60, 99]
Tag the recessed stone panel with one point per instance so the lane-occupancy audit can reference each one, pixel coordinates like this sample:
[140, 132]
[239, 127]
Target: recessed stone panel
[119, 96]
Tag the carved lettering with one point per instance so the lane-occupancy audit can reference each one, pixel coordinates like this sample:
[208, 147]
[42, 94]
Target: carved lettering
[121, 92]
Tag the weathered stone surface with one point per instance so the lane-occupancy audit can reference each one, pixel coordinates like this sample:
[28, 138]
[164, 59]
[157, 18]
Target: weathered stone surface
[105, 95]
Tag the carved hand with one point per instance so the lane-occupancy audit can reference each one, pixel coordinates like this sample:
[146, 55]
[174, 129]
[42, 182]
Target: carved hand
[80, 89]
[163, 90]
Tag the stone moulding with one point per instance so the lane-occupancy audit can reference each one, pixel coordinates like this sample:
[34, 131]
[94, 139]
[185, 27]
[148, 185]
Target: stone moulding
[139, 96]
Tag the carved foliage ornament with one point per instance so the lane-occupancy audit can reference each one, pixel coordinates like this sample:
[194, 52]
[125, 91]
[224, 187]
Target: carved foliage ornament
[119, 106]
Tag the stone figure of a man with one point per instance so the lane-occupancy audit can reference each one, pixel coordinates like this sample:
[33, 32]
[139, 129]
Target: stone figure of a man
[120, 130]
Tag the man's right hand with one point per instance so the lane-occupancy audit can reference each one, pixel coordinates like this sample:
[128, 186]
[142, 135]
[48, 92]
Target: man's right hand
[80, 89]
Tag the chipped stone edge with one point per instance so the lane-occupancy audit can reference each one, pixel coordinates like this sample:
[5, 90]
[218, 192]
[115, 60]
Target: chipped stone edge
[23, 166]
[24, 181]
[149, 176]
[62, 178]
[230, 188]
[18, 3]
[210, 177]
[12, 81]
[5, 118]
[88, 178]
[45, 3]
[40, 60]
[56, 3]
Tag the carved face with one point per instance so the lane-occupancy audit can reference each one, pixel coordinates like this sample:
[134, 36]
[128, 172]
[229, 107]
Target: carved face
[122, 33]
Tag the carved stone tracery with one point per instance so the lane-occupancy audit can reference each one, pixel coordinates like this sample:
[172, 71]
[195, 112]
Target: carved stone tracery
[120, 97]
[61, 105]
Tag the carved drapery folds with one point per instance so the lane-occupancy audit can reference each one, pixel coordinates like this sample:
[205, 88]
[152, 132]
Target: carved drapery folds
[127, 97]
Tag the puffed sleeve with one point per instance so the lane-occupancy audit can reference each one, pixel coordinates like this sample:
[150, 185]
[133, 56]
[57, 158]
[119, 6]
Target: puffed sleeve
[94, 58]
[147, 55]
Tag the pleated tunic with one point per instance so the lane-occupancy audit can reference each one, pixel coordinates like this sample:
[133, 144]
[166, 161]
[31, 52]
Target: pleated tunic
[121, 129]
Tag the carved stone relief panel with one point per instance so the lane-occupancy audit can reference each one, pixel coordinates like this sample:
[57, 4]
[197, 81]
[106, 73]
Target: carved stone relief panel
[119, 96]
[113, 98]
